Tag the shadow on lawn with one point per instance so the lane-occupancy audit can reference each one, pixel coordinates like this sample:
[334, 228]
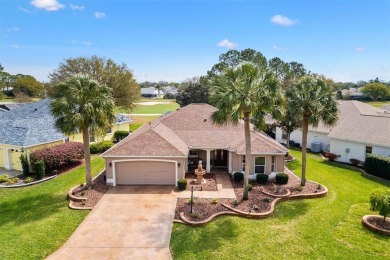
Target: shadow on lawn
[30, 208]
[204, 240]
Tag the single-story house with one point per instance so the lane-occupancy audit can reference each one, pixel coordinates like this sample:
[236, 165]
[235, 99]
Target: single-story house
[31, 126]
[361, 129]
[151, 92]
[162, 151]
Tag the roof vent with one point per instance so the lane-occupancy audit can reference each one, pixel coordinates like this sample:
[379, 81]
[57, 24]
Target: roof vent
[36, 109]
[205, 120]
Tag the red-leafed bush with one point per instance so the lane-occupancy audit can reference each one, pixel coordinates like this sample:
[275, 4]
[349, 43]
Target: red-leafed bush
[330, 156]
[58, 156]
[355, 161]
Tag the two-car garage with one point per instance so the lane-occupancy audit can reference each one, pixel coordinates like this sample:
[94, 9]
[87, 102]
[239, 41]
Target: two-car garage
[144, 172]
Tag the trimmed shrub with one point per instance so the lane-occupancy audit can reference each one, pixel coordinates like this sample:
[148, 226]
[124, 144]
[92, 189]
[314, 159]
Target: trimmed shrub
[261, 178]
[238, 176]
[39, 169]
[100, 147]
[29, 180]
[355, 161]
[25, 164]
[120, 134]
[378, 165]
[330, 156]
[182, 184]
[281, 178]
[12, 180]
[58, 156]
[250, 187]
[3, 178]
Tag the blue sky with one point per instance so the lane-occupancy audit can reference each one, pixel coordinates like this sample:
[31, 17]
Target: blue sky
[175, 40]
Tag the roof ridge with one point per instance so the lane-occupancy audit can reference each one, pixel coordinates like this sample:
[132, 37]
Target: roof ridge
[172, 132]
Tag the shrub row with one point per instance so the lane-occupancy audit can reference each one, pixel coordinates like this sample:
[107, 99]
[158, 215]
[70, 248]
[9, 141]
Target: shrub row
[100, 147]
[281, 178]
[60, 155]
[378, 165]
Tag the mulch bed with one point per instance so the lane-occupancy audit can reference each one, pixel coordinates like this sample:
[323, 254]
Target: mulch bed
[378, 222]
[93, 195]
[258, 202]
[210, 185]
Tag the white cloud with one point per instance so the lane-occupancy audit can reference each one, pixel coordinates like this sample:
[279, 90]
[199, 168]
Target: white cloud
[24, 10]
[276, 48]
[360, 49]
[47, 5]
[76, 7]
[228, 44]
[73, 41]
[15, 46]
[283, 20]
[13, 29]
[87, 43]
[99, 15]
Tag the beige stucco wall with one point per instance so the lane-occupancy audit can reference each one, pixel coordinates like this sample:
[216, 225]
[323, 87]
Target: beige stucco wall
[237, 163]
[181, 168]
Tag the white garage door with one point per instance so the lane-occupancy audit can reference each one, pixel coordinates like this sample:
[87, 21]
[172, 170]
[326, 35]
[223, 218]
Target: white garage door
[145, 173]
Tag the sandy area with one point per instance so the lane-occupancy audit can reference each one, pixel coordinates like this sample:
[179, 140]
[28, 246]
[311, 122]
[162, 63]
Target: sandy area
[151, 103]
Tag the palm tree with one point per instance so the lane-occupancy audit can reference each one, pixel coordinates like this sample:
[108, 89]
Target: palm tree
[311, 98]
[241, 93]
[81, 104]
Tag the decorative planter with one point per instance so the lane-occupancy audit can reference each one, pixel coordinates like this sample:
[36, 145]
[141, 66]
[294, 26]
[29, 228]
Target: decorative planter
[372, 227]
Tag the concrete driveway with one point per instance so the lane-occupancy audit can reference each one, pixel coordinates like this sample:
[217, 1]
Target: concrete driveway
[129, 222]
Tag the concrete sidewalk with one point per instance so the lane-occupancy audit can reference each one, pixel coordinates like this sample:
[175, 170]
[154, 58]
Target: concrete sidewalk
[224, 186]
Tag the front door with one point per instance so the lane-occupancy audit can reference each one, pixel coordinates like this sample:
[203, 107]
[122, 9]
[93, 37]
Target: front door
[220, 158]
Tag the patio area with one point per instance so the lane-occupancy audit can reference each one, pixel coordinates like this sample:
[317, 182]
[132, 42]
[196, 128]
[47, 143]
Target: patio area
[10, 173]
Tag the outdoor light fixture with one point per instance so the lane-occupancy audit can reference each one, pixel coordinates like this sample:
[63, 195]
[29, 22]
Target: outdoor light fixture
[178, 165]
[110, 164]
[192, 198]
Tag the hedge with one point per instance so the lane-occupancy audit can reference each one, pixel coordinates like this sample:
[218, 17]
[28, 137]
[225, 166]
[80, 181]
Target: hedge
[58, 156]
[120, 134]
[39, 169]
[378, 165]
[100, 147]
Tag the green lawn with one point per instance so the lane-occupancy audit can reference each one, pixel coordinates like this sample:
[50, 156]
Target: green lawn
[139, 121]
[378, 103]
[325, 228]
[35, 221]
[158, 108]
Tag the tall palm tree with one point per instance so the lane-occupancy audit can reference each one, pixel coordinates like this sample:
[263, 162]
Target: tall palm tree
[241, 93]
[311, 98]
[81, 104]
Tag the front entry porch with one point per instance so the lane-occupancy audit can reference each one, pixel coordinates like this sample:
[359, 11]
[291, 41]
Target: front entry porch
[211, 158]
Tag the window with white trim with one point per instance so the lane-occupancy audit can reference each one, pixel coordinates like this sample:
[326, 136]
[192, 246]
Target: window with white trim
[284, 134]
[193, 153]
[273, 164]
[259, 165]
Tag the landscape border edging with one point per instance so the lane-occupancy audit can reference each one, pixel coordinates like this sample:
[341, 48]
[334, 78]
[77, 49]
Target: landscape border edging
[28, 184]
[372, 227]
[206, 221]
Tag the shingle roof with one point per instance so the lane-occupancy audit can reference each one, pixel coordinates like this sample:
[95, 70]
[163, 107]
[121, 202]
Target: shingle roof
[190, 127]
[362, 123]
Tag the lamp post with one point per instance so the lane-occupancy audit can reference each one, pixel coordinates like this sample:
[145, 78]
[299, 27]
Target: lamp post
[192, 197]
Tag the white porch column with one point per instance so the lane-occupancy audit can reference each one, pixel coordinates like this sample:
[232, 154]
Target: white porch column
[230, 162]
[208, 161]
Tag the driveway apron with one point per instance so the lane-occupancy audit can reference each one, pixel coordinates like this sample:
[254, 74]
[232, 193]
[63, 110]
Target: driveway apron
[129, 222]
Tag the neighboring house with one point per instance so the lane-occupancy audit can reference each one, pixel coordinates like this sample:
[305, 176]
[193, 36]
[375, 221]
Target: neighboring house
[170, 92]
[353, 94]
[361, 129]
[151, 92]
[31, 127]
[159, 153]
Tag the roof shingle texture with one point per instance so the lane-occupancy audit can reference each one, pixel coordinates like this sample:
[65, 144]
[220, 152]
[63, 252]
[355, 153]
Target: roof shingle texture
[191, 127]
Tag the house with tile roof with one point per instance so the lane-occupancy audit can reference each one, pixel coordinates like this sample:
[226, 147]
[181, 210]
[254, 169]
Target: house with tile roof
[162, 151]
[29, 127]
[361, 129]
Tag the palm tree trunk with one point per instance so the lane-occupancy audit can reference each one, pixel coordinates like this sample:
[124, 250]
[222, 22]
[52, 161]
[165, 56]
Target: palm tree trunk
[87, 157]
[248, 158]
[305, 129]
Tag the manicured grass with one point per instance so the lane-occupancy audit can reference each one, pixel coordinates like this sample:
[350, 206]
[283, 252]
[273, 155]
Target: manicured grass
[378, 103]
[158, 108]
[325, 228]
[35, 221]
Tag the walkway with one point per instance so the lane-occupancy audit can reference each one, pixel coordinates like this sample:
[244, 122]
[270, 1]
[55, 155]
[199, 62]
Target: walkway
[224, 186]
[129, 222]
[10, 173]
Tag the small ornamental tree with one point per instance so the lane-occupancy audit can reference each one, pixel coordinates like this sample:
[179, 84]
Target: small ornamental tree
[25, 164]
[380, 201]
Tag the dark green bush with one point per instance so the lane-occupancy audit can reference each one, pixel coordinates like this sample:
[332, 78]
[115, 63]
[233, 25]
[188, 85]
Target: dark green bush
[120, 134]
[39, 169]
[25, 164]
[238, 176]
[261, 178]
[378, 165]
[281, 178]
[100, 147]
[182, 184]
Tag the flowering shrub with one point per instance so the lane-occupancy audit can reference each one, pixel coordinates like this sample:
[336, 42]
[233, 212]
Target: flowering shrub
[355, 161]
[330, 156]
[58, 156]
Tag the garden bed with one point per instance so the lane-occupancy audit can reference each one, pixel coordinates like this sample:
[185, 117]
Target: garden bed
[209, 185]
[375, 223]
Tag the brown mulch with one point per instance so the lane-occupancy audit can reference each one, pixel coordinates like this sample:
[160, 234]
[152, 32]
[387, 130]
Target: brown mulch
[210, 185]
[258, 202]
[203, 208]
[93, 195]
[378, 222]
